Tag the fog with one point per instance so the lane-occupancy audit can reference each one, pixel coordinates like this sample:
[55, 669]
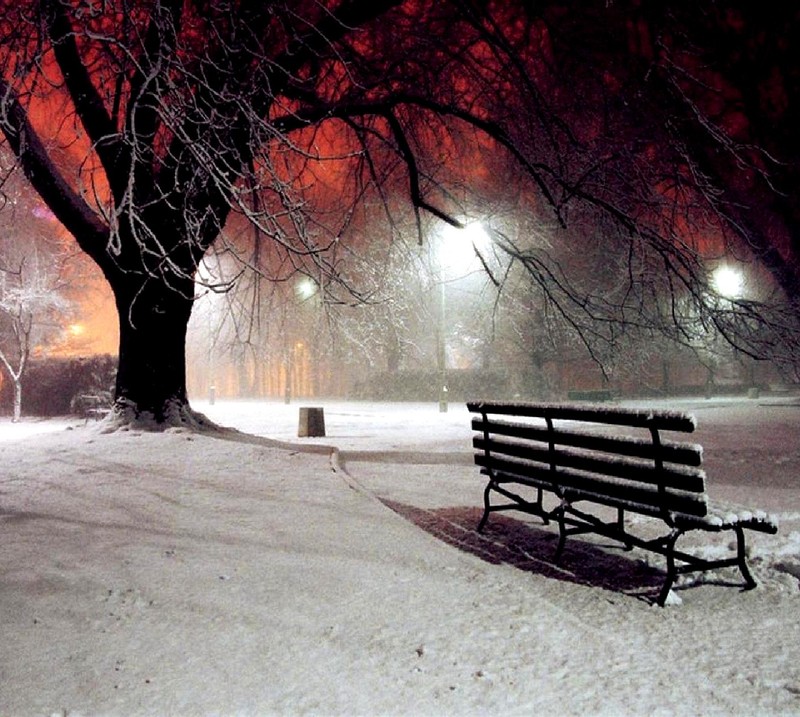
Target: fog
[437, 327]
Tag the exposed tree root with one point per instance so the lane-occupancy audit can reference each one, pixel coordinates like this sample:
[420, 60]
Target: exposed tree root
[177, 414]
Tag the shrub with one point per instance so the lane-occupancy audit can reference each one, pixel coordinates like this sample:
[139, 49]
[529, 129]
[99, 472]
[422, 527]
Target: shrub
[61, 386]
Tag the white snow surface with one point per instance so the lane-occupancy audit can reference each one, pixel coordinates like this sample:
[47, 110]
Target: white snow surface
[256, 573]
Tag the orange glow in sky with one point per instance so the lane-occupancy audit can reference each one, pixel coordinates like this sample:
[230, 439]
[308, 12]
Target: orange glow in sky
[99, 327]
[93, 327]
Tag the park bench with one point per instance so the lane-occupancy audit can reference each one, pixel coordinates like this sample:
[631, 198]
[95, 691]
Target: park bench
[91, 405]
[616, 459]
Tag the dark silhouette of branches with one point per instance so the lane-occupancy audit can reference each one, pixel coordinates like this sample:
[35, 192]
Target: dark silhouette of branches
[638, 128]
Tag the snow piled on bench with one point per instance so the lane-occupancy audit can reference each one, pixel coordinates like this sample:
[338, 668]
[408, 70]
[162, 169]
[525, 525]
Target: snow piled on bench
[732, 517]
[603, 411]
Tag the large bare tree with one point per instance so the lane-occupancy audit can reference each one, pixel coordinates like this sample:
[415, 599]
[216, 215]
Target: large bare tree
[177, 115]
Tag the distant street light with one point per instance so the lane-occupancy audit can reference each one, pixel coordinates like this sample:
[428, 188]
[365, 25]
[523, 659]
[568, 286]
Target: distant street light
[457, 253]
[728, 281]
[306, 288]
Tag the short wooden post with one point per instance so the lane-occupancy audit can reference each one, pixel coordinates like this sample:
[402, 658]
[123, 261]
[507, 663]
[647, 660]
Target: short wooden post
[312, 422]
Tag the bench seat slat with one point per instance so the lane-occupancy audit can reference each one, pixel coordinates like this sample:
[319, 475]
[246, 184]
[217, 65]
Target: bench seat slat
[620, 493]
[690, 454]
[680, 477]
[628, 503]
[719, 518]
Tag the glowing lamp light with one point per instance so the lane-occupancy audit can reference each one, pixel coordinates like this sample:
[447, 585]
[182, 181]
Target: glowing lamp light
[458, 247]
[477, 235]
[306, 288]
[76, 330]
[728, 281]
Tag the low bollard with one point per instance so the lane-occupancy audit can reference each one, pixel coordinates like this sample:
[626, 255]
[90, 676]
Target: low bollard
[312, 422]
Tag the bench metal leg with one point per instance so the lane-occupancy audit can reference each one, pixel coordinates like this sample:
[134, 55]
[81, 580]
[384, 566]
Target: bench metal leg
[562, 532]
[517, 503]
[669, 553]
[621, 528]
[487, 506]
[741, 555]
[540, 504]
[696, 564]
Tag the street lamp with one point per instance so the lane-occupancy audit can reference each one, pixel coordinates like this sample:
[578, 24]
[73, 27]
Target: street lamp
[728, 281]
[306, 288]
[457, 254]
[209, 284]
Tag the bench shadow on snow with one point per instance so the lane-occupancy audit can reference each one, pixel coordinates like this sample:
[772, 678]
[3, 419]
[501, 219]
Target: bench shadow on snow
[531, 548]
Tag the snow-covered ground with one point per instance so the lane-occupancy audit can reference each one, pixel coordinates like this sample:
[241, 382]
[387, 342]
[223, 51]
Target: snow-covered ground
[256, 573]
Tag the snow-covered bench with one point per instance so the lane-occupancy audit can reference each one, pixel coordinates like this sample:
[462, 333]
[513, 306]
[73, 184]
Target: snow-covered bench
[579, 454]
[91, 405]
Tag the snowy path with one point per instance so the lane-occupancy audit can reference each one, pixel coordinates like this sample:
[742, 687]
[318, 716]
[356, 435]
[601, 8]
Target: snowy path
[707, 656]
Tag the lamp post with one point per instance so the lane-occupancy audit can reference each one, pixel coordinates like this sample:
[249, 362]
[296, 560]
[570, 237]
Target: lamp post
[441, 351]
[456, 254]
[309, 293]
[204, 301]
[729, 282]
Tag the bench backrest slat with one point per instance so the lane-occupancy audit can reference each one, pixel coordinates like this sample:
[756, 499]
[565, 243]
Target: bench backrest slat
[688, 478]
[689, 454]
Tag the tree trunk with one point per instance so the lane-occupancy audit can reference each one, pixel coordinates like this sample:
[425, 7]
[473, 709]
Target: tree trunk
[151, 377]
[16, 380]
[17, 399]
